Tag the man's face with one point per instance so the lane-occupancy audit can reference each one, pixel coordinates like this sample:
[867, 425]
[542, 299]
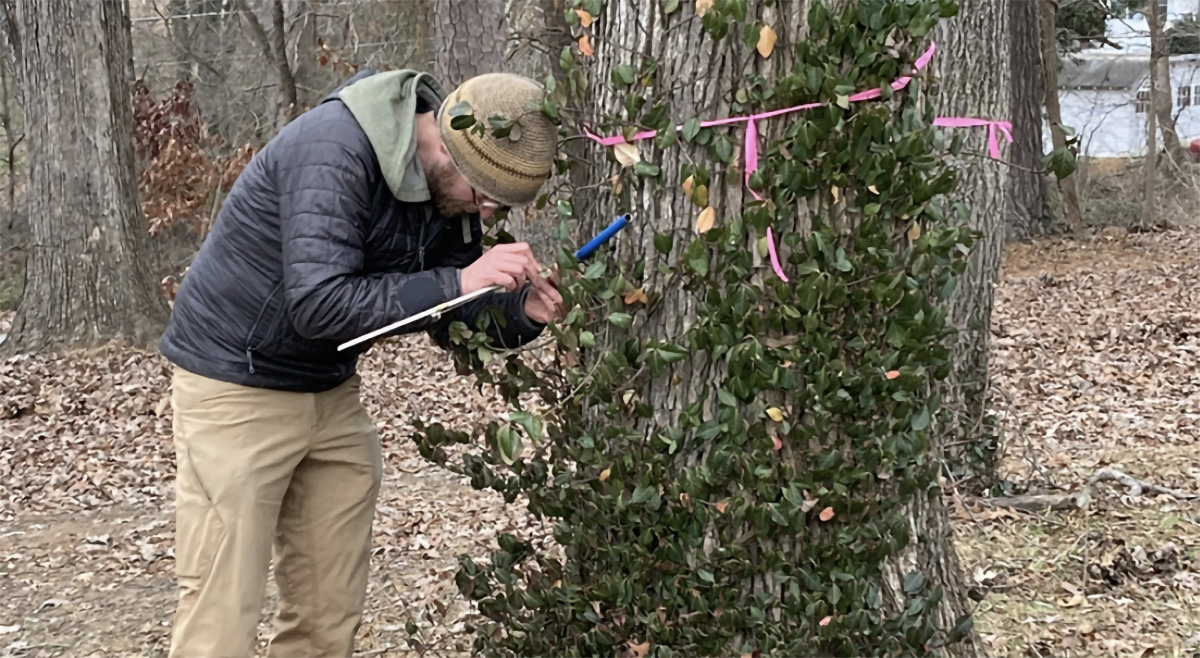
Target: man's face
[455, 197]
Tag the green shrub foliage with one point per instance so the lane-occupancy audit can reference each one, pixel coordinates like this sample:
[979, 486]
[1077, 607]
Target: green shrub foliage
[761, 517]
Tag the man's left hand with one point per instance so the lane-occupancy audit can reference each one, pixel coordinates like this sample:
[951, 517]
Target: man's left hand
[544, 303]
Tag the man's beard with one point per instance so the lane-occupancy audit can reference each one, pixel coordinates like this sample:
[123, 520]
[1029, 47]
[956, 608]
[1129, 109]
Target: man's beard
[448, 206]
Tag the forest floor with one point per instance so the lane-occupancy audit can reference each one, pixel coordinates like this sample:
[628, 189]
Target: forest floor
[1097, 364]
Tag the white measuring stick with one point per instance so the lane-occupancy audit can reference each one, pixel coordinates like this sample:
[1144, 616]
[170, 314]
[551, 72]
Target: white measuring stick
[435, 312]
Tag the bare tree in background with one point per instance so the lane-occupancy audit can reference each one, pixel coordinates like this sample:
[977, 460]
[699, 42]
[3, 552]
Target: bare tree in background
[86, 278]
[1066, 186]
[274, 48]
[1025, 199]
[1160, 72]
[470, 39]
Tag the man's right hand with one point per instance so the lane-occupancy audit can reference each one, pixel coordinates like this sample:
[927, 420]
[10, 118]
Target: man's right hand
[509, 265]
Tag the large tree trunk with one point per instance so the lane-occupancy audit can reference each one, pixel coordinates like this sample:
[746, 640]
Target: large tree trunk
[696, 77]
[470, 39]
[974, 82]
[1066, 187]
[1025, 199]
[1160, 70]
[86, 276]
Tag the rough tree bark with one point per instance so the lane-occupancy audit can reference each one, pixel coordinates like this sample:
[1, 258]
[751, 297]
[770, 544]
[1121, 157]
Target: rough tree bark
[974, 82]
[470, 39]
[1160, 68]
[87, 280]
[1066, 187]
[1026, 201]
[704, 83]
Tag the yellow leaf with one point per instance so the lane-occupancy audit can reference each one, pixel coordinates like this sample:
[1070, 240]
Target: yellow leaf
[766, 41]
[617, 184]
[703, 6]
[627, 396]
[836, 193]
[914, 231]
[825, 621]
[721, 506]
[775, 413]
[778, 443]
[687, 185]
[584, 17]
[704, 222]
[892, 374]
[640, 650]
[827, 514]
[873, 189]
[585, 46]
[635, 296]
[605, 474]
[808, 503]
[627, 154]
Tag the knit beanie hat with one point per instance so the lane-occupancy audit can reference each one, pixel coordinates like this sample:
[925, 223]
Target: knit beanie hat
[509, 169]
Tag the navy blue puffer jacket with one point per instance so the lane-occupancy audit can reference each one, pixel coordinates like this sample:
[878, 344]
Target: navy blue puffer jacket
[312, 249]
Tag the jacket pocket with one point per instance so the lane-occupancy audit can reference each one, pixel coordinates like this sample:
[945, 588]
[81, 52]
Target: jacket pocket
[267, 329]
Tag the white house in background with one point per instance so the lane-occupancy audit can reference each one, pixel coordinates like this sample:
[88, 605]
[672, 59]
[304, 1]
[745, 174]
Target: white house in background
[1105, 92]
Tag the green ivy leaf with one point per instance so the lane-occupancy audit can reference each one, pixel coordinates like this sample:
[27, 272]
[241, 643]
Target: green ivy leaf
[644, 493]
[510, 444]
[663, 243]
[920, 422]
[624, 75]
[1061, 163]
[587, 339]
[669, 6]
[623, 320]
[691, 128]
[643, 168]
[914, 582]
[961, 629]
[531, 423]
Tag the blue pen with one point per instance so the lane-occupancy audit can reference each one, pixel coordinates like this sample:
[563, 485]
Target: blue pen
[591, 247]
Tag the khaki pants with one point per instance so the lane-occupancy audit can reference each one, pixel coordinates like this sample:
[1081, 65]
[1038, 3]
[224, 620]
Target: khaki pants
[257, 469]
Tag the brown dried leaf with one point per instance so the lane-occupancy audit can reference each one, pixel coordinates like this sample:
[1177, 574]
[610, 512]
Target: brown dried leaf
[766, 41]
[704, 222]
[627, 154]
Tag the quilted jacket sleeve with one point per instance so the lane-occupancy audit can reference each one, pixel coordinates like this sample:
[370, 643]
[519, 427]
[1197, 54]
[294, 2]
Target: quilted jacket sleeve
[518, 328]
[324, 186]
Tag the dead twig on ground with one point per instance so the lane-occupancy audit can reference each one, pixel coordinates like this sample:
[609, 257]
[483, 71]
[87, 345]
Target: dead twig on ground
[1083, 497]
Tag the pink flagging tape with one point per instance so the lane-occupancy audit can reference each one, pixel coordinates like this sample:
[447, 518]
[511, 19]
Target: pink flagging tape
[992, 126]
[751, 137]
[774, 256]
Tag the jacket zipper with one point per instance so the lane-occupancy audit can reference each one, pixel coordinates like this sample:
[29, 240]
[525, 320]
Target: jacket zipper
[262, 309]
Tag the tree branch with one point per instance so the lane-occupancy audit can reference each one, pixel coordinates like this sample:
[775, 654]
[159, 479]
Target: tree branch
[12, 35]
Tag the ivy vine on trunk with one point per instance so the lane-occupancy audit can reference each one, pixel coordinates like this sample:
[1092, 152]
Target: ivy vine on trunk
[733, 463]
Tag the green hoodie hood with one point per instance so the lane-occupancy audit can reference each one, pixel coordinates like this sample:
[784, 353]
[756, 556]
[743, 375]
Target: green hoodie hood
[385, 105]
